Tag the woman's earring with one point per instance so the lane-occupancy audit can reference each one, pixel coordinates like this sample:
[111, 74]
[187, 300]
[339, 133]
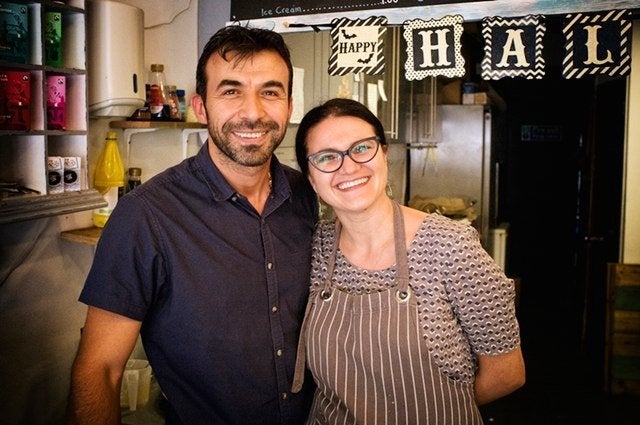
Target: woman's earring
[389, 191]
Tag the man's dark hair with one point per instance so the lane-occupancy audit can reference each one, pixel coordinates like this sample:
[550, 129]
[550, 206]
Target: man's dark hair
[243, 42]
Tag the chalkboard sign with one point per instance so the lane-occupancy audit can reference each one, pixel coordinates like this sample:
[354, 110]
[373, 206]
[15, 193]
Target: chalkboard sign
[242, 10]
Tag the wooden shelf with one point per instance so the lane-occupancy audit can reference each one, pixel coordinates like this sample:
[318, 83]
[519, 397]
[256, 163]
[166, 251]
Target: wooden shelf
[130, 128]
[28, 207]
[88, 235]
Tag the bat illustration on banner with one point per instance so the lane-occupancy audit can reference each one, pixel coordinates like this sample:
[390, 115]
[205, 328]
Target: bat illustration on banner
[357, 46]
[348, 36]
[367, 60]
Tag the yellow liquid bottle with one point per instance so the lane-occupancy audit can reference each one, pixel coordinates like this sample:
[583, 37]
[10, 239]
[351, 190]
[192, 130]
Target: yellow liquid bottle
[108, 178]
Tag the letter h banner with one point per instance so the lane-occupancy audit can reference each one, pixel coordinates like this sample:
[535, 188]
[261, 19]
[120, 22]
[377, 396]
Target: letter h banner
[434, 48]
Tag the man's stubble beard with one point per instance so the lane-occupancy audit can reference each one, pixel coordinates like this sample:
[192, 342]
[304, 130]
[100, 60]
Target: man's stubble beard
[249, 156]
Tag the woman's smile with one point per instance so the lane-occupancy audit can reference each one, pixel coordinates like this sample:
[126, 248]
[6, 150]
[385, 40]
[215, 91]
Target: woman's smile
[352, 183]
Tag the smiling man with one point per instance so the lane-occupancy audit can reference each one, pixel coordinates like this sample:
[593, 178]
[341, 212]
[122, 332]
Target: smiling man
[209, 260]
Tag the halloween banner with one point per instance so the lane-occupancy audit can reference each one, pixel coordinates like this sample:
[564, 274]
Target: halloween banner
[433, 48]
[357, 46]
[513, 47]
[595, 43]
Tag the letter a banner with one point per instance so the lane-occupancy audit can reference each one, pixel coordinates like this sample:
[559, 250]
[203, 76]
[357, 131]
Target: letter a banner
[357, 45]
[597, 43]
[513, 47]
[433, 48]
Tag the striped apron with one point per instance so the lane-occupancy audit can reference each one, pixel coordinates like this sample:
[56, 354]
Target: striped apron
[369, 359]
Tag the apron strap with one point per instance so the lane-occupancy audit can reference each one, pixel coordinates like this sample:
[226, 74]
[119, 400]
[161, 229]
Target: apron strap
[325, 293]
[331, 264]
[402, 261]
[301, 355]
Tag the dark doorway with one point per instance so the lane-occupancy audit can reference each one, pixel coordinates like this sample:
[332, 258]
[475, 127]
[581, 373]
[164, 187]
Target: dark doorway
[565, 140]
[598, 215]
[562, 199]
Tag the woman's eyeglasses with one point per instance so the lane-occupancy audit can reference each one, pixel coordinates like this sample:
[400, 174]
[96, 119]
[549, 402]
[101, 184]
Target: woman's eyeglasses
[330, 160]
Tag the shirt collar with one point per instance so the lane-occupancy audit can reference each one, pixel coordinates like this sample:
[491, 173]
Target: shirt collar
[221, 190]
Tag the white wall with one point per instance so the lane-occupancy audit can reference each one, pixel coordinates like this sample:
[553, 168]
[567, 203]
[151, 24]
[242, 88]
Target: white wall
[631, 194]
[170, 38]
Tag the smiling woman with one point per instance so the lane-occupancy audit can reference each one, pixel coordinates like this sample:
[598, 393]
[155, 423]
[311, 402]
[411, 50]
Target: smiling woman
[415, 278]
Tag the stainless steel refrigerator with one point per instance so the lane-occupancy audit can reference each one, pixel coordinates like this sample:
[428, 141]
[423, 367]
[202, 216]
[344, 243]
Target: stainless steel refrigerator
[456, 169]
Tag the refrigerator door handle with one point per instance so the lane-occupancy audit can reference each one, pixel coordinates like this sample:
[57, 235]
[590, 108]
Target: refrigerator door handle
[496, 189]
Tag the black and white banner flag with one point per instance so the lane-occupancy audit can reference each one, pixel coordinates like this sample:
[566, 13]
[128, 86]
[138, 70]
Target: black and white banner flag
[434, 48]
[357, 46]
[513, 47]
[597, 43]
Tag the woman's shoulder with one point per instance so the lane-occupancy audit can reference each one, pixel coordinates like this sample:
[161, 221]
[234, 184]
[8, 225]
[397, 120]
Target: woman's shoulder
[325, 233]
[441, 226]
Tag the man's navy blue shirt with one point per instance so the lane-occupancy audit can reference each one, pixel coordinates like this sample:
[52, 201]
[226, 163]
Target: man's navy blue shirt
[220, 289]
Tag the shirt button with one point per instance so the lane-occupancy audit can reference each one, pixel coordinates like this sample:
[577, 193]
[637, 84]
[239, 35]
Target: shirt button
[284, 396]
[279, 352]
[269, 266]
[234, 198]
[274, 308]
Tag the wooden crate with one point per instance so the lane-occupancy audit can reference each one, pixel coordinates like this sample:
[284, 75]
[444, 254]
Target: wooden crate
[622, 345]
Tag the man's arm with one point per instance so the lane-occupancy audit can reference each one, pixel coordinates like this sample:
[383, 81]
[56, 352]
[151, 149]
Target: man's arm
[105, 346]
[499, 375]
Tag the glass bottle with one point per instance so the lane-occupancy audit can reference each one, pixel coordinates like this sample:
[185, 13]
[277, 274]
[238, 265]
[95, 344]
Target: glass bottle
[182, 103]
[108, 178]
[174, 103]
[134, 178]
[158, 102]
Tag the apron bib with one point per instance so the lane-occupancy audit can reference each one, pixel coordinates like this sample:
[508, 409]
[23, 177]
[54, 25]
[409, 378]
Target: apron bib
[369, 359]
